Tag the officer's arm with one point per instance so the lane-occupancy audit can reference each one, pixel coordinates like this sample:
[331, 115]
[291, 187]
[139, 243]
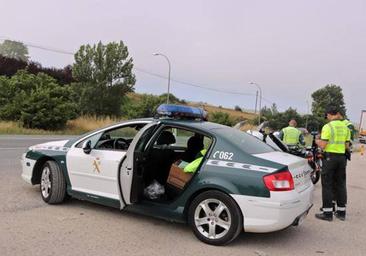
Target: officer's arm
[352, 131]
[324, 137]
[348, 139]
[347, 146]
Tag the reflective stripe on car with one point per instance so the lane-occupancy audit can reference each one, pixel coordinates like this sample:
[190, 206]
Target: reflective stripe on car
[236, 165]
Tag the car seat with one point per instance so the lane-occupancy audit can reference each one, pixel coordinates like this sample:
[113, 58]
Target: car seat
[161, 158]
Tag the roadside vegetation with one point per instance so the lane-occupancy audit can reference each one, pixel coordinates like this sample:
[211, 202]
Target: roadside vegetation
[98, 90]
[76, 126]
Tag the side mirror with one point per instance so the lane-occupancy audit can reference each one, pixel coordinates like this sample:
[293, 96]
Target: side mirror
[87, 147]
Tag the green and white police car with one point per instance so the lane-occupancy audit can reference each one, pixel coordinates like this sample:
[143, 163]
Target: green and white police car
[241, 184]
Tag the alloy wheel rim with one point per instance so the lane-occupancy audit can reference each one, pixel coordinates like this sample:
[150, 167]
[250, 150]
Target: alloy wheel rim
[46, 182]
[212, 218]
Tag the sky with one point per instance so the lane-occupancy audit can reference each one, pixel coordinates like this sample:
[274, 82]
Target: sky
[289, 47]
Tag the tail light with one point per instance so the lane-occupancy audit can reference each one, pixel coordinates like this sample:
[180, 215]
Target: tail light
[281, 181]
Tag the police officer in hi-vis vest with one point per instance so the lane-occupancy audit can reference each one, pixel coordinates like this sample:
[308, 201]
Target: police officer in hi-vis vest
[334, 140]
[292, 136]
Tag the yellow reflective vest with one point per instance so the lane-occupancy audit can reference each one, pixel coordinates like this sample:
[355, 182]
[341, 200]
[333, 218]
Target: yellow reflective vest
[192, 166]
[291, 135]
[336, 133]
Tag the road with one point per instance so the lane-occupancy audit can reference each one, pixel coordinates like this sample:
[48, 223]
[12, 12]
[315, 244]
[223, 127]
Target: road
[28, 226]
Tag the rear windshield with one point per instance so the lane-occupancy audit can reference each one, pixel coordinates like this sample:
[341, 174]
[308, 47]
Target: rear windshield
[245, 141]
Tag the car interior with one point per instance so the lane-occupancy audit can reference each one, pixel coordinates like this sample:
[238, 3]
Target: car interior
[170, 146]
[118, 139]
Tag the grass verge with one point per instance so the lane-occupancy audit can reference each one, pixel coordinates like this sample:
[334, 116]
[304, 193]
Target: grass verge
[73, 127]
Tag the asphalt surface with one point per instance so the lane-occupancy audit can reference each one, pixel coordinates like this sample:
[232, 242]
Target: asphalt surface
[28, 226]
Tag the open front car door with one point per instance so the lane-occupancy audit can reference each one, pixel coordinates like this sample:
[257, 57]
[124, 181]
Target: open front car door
[130, 178]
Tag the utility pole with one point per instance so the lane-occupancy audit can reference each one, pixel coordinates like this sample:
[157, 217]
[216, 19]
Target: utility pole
[260, 100]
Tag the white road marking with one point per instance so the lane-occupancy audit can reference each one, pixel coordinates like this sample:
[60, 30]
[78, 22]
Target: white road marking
[34, 138]
[12, 148]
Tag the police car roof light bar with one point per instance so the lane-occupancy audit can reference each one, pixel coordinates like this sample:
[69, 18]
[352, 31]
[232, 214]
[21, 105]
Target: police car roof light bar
[181, 111]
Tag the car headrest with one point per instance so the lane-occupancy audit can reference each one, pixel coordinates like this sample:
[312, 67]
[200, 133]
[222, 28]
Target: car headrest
[195, 143]
[166, 138]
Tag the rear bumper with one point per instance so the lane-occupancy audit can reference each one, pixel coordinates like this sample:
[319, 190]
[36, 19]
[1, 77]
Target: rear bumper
[282, 209]
[301, 217]
[27, 168]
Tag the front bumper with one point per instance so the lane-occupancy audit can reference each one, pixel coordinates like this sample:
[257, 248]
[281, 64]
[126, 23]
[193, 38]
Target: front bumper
[27, 168]
[281, 210]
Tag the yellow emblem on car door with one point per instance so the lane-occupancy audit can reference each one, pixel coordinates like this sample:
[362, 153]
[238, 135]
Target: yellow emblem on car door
[96, 164]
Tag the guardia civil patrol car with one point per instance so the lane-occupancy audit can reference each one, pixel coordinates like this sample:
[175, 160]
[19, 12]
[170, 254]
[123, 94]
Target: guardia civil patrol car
[242, 184]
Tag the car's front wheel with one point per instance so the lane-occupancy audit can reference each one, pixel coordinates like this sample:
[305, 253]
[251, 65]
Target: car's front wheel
[53, 185]
[215, 218]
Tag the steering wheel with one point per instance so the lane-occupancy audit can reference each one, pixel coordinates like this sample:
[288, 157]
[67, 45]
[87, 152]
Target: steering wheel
[120, 143]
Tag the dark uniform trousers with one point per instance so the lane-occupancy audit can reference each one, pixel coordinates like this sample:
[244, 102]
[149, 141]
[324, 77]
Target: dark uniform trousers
[334, 180]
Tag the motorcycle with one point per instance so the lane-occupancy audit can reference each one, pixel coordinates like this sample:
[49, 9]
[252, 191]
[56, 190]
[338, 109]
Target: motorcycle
[313, 154]
[315, 159]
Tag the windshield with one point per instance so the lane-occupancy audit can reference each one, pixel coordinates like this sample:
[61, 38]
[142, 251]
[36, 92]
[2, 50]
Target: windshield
[244, 141]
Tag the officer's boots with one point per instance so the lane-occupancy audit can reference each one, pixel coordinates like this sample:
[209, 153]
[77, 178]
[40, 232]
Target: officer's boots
[328, 216]
[341, 215]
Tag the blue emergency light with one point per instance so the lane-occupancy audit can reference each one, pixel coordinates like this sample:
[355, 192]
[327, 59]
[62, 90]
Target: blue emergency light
[181, 111]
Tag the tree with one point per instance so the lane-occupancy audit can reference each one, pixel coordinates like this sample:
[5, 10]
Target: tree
[331, 94]
[278, 120]
[10, 67]
[104, 73]
[14, 50]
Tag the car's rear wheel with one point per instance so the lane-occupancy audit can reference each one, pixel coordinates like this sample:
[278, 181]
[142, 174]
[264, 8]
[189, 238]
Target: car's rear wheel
[53, 185]
[215, 218]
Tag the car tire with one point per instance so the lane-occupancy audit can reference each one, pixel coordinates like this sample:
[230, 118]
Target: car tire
[53, 185]
[215, 218]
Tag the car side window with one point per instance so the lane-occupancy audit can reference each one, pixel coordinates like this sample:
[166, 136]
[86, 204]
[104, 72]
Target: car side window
[118, 138]
[179, 137]
[185, 143]
[94, 140]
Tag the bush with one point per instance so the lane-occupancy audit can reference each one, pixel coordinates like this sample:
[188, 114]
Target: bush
[146, 105]
[221, 118]
[36, 100]
[48, 108]
[237, 108]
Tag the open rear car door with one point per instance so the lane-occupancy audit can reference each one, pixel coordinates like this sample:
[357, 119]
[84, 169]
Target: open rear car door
[129, 176]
